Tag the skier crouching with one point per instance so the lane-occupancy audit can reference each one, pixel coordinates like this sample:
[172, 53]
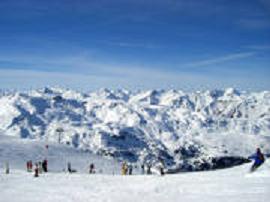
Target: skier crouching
[258, 159]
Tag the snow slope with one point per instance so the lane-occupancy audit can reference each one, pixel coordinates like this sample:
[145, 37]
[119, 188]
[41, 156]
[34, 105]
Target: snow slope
[187, 129]
[17, 152]
[233, 185]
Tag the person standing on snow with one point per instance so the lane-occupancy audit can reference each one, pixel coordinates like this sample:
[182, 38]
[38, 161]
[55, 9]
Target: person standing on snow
[92, 168]
[7, 167]
[142, 169]
[69, 167]
[130, 169]
[70, 170]
[36, 170]
[30, 166]
[148, 171]
[160, 167]
[40, 167]
[45, 165]
[27, 166]
[124, 168]
[258, 159]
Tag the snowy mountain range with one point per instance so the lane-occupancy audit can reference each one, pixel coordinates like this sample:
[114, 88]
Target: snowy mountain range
[186, 131]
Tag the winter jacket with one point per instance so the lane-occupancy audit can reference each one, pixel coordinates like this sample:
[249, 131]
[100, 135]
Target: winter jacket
[258, 157]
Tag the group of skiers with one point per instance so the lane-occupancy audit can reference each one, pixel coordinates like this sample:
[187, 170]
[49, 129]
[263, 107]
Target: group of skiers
[126, 168]
[39, 167]
[72, 170]
[146, 170]
[258, 158]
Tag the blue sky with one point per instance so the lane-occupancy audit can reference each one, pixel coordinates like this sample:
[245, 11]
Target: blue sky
[135, 44]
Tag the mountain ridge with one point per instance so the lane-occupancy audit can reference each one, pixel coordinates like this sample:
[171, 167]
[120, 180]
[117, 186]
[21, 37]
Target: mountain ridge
[179, 128]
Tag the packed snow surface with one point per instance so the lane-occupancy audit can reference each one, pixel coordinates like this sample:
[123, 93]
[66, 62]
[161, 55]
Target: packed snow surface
[233, 185]
[146, 126]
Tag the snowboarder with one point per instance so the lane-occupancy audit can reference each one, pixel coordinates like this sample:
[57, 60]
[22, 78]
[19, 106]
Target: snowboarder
[92, 168]
[258, 159]
[36, 170]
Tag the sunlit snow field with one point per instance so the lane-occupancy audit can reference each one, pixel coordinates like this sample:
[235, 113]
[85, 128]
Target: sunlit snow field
[234, 184]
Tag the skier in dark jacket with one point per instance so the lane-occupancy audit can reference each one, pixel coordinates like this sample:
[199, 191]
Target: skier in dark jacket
[69, 167]
[36, 170]
[45, 165]
[148, 171]
[130, 169]
[92, 168]
[27, 166]
[258, 159]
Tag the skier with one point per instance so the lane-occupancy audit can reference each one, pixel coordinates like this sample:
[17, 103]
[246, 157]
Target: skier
[69, 167]
[30, 166]
[45, 165]
[7, 167]
[70, 170]
[40, 167]
[124, 168]
[92, 168]
[161, 168]
[36, 170]
[149, 172]
[142, 168]
[130, 168]
[27, 166]
[258, 159]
